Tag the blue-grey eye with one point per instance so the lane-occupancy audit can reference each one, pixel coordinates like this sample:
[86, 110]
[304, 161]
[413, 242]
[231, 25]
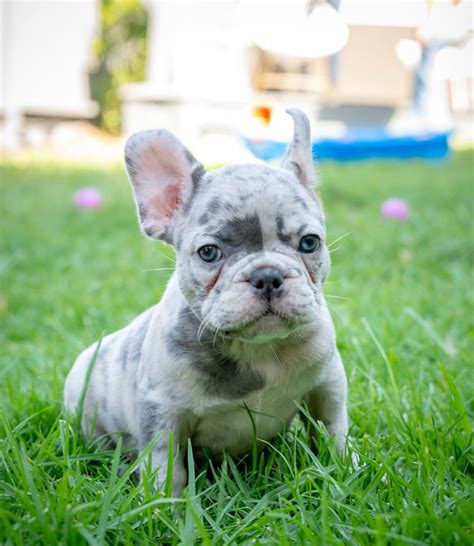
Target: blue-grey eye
[309, 243]
[210, 253]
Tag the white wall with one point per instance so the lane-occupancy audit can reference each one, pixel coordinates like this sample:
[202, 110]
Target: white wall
[45, 52]
[197, 49]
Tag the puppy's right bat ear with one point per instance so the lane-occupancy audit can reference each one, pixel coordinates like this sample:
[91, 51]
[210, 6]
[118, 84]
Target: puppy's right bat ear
[163, 174]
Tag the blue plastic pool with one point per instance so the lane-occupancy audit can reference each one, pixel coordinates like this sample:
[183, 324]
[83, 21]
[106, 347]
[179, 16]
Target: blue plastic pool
[365, 143]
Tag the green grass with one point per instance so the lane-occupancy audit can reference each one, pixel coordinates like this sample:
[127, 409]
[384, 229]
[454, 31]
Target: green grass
[405, 332]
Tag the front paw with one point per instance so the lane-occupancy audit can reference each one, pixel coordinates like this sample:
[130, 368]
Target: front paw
[339, 432]
[178, 481]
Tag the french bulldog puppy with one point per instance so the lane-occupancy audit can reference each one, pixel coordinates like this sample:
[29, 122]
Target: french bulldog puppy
[243, 332]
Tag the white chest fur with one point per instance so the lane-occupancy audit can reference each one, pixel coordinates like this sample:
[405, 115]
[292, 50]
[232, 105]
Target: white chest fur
[232, 426]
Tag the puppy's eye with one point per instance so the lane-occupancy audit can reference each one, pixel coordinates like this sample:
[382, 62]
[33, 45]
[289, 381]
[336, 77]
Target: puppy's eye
[210, 253]
[309, 243]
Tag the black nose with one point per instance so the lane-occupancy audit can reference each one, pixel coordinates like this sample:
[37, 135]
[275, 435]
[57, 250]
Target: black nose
[267, 280]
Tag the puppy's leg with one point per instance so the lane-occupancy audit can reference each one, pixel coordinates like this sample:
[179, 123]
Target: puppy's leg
[327, 403]
[159, 420]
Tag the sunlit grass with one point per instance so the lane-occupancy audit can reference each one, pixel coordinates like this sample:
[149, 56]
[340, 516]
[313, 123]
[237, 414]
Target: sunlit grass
[402, 299]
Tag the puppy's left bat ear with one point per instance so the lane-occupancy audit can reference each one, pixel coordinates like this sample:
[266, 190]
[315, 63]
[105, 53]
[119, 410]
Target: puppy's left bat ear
[163, 174]
[298, 156]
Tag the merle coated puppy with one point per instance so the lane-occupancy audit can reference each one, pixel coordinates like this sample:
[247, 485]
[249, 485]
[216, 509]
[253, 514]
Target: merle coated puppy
[243, 325]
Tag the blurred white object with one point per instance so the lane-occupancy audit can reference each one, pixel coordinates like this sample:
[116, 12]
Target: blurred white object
[409, 52]
[446, 21]
[456, 62]
[288, 30]
[45, 50]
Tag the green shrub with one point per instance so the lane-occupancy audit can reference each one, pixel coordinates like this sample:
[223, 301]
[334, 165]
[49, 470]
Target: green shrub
[120, 51]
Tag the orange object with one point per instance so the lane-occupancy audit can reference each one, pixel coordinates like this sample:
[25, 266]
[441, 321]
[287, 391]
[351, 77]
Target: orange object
[263, 113]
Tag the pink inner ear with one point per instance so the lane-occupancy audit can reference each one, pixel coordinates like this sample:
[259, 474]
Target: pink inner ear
[164, 205]
[162, 180]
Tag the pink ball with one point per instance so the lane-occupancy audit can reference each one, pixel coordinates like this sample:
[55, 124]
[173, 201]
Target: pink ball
[396, 209]
[87, 198]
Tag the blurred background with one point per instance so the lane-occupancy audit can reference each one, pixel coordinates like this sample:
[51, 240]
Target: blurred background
[389, 89]
[79, 76]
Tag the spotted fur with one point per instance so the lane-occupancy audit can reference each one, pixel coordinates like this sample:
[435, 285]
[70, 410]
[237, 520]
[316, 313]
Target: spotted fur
[217, 347]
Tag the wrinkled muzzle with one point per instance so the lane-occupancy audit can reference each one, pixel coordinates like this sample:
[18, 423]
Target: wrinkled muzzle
[266, 294]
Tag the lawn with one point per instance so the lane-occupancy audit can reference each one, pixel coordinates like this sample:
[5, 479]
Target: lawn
[402, 300]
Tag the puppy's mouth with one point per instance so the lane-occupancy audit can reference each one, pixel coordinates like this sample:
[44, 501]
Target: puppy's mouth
[266, 327]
